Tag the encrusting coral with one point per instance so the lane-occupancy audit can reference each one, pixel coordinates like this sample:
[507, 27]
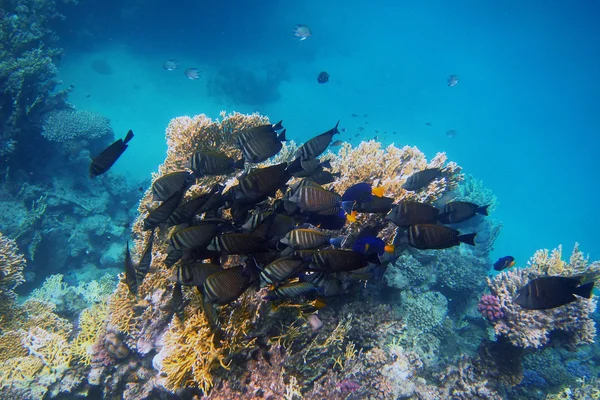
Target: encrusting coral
[531, 328]
[186, 352]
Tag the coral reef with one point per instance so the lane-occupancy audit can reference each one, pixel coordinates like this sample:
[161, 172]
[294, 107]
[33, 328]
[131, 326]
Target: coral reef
[525, 328]
[489, 307]
[11, 275]
[66, 125]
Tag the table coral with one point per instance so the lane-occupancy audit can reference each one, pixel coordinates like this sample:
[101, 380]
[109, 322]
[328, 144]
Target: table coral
[531, 328]
[65, 125]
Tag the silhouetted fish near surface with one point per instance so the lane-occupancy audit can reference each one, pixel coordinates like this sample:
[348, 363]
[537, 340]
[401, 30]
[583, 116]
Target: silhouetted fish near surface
[192, 73]
[429, 237]
[323, 77]
[109, 156]
[552, 291]
[451, 133]
[209, 163]
[407, 213]
[302, 31]
[421, 179]
[459, 211]
[452, 80]
[504, 262]
[226, 286]
[317, 145]
[168, 184]
[426, 123]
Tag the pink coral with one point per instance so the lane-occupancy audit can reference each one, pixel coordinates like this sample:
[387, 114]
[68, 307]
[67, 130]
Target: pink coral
[489, 307]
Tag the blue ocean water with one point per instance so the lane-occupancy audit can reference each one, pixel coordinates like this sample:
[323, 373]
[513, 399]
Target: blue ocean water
[525, 108]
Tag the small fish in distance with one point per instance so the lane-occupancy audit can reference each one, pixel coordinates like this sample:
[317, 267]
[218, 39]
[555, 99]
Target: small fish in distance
[552, 291]
[192, 73]
[451, 133]
[323, 77]
[452, 80]
[302, 31]
[171, 65]
[504, 263]
[109, 156]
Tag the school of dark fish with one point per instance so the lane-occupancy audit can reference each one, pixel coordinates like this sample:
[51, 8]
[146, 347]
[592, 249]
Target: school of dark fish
[287, 244]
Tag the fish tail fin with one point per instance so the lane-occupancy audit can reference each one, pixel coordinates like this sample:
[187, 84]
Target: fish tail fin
[483, 210]
[278, 126]
[326, 164]
[468, 238]
[585, 290]
[335, 128]
[239, 164]
[128, 137]
[281, 136]
[347, 206]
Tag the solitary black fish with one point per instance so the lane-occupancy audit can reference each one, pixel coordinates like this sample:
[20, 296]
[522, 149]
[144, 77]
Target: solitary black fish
[421, 179]
[323, 77]
[459, 211]
[428, 236]
[407, 213]
[552, 291]
[504, 262]
[109, 156]
[317, 145]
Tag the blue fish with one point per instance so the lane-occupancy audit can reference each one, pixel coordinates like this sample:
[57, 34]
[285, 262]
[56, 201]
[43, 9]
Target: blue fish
[372, 245]
[504, 262]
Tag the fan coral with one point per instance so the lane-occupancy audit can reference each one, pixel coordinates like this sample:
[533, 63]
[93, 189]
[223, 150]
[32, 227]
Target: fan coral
[525, 328]
[489, 306]
[64, 125]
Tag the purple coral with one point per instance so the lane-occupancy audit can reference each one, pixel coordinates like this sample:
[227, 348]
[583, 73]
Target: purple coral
[348, 386]
[489, 307]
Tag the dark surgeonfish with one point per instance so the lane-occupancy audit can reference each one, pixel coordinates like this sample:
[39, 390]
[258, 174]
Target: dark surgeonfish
[407, 213]
[130, 274]
[309, 239]
[459, 211]
[316, 199]
[162, 213]
[429, 236]
[194, 273]
[237, 243]
[552, 291]
[177, 303]
[421, 179]
[168, 184]
[210, 163]
[226, 286]
[146, 260]
[186, 211]
[109, 156]
[504, 263]
[196, 237]
[377, 205]
[260, 183]
[291, 291]
[250, 133]
[281, 269]
[337, 260]
[317, 145]
[262, 147]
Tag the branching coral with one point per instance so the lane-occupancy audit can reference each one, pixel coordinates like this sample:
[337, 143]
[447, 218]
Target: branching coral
[91, 324]
[65, 125]
[11, 275]
[526, 328]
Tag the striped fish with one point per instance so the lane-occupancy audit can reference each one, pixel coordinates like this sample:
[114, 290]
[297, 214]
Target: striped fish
[334, 260]
[291, 291]
[327, 284]
[226, 286]
[407, 213]
[130, 274]
[421, 179]
[317, 145]
[194, 273]
[376, 205]
[250, 133]
[197, 236]
[261, 148]
[144, 264]
[306, 239]
[162, 213]
[429, 236]
[205, 163]
[281, 269]
[254, 221]
[177, 303]
[317, 200]
[168, 184]
[173, 255]
[186, 211]
[260, 183]
[237, 243]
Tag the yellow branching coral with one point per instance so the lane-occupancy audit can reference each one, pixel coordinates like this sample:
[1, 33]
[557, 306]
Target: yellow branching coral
[19, 371]
[11, 345]
[50, 322]
[189, 354]
[120, 308]
[91, 324]
[551, 263]
[52, 290]
[52, 348]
